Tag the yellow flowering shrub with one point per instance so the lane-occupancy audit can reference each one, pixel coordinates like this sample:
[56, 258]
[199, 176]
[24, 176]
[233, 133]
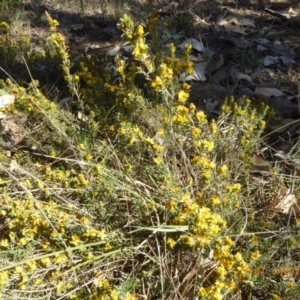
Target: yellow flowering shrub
[143, 185]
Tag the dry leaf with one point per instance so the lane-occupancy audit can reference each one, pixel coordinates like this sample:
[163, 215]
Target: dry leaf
[259, 162]
[270, 60]
[282, 49]
[287, 61]
[211, 105]
[194, 58]
[6, 100]
[65, 102]
[235, 29]
[12, 129]
[198, 75]
[286, 203]
[268, 92]
[262, 41]
[236, 76]
[82, 117]
[242, 42]
[246, 22]
[15, 168]
[13, 165]
[77, 26]
[246, 91]
[283, 201]
[195, 44]
[261, 48]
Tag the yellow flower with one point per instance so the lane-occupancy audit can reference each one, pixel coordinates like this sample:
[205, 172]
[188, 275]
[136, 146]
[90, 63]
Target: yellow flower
[214, 229]
[45, 244]
[122, 130]
[245, 141]
[231, 285]
[140, 51]
[182, 110]
[290, 284]
[4, 275]
[170, 204]
[149, 141]
[187, 48]
[88, 156]
[108, 246]
[30, 265]
[181, 119]
[51, 22]
[223, 169]
[161, 131]
[213, 127]
[4, 25]
[158, 160]
[75, 239]
[22, 241]
[228, 240]
[130, 297]
[139, 31]
[18, 270]
[4, 243]
[208, 164]
[201, 117]
[233, 188]
[90, 256]
[157, 83]
[61, 258]
[81, 146]
[128, 167]
[192, 107]
[217, 296]
[195, 131]
[101, 234]
[172, 49]
[164, 71]
[202, 292]
[91, 232]
[255, 255]
[221, 270]
[132, 139]
[171, 243]
[98, 169]
[158, 148]
[46, 261]
[238, 256]
[209, 145]
[114, 294]
[215, 200]
[182, 96]
[188, 240]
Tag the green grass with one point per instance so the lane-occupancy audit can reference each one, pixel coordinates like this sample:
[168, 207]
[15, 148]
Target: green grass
[132, 193]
